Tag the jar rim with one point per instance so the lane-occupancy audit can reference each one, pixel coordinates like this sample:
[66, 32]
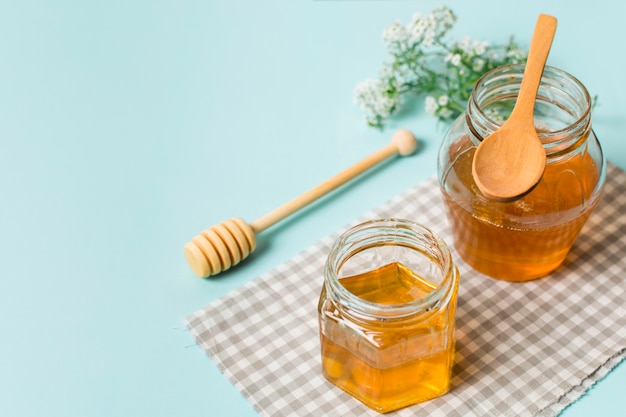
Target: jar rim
[547, 137]
[371, 309]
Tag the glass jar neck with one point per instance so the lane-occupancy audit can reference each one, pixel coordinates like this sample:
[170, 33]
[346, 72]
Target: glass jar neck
[562, 108]
[390, 232]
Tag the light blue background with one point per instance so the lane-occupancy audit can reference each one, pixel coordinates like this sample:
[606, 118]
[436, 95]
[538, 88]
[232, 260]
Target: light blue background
[126, 127]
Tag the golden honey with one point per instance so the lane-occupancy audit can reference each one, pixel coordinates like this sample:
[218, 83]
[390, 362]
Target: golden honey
[530, 237]
[387, 334]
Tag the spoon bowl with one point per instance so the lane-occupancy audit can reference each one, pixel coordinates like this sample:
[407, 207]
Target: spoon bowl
[510, 162]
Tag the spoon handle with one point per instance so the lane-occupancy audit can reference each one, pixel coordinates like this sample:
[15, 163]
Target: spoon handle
[537, 57]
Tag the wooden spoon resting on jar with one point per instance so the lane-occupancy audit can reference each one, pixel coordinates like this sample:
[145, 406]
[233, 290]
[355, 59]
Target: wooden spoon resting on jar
[510, 162]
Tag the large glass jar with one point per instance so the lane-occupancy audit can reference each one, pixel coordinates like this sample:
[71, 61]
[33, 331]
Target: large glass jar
[386, 314]
[527, 238]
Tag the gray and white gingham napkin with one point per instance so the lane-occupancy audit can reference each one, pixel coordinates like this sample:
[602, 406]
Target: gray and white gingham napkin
[523, 349]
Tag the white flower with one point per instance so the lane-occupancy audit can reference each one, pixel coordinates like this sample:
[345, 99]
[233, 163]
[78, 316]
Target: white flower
[426, 29]
[444, 17]
[429, 38]
[417, 68]
[372, 95]
[395, 33]
[479, 47]
[431, 105]
[478, 64]
[417, 27]
[415, 19]
[386, 71]
[494, 114]
[464, 44]
[515, 56]
[454, 59]
[444, 112]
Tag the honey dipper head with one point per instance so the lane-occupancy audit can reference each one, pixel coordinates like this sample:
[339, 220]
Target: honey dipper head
[405, 142]
[218, 248]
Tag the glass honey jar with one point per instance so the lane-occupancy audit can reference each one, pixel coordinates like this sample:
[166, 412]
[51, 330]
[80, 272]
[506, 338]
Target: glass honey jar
[529, 237]
[386, 314]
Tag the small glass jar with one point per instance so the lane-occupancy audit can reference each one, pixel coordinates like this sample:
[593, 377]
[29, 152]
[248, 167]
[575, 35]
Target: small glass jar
[386, 314]
[527, 238]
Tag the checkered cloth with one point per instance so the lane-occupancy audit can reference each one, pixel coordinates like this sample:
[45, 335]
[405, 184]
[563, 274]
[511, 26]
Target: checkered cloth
[523, 349]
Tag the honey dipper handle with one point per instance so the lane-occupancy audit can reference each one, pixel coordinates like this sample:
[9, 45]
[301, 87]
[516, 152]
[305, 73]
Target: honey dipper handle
[403, 143]
[537, 56]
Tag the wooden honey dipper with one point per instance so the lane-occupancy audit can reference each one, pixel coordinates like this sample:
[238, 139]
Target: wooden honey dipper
[227, 243]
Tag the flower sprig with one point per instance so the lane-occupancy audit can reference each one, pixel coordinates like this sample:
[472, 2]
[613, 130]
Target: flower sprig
[427, 63]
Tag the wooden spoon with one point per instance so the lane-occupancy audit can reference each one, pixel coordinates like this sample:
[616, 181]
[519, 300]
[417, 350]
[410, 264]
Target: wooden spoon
[510, 162]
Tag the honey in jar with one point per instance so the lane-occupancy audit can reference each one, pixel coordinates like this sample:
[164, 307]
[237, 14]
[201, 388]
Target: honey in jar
[386, 314]
[531, 236]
